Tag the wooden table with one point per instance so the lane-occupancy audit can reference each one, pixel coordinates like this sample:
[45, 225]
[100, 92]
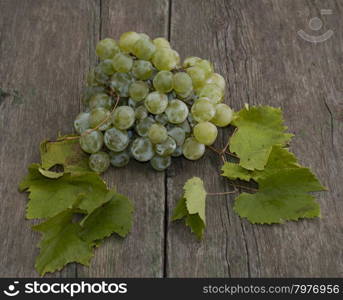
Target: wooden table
[46, 49]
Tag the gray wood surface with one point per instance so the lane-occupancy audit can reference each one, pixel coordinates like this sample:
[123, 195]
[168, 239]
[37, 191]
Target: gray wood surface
[46, 49]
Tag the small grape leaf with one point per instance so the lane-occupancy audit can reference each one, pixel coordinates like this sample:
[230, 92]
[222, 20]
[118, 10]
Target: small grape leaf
[234, 171]
[282, 196]
[114, 216]
[61, 244]
[67, 153]
[259, 129]
[191, 206]
[49, 197]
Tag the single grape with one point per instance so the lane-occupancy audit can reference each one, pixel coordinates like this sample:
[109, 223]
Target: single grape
[164, 59]
[203, 110]
[144, 49]
[121, 82]
[217, 79]
[100, 100]
[156, 102]
[99, 76]
[142, 69]
[212, 92]
[161, 119]
[127, 40]
[107, 48]
[161, 42]
[176, 58]
[141, 112]
[143, 126]
[91, 141]
[116, 140]
[119, 159]
[107, 66]
[122, 62]
[193, 150]
[223, 116]
[205, 65]
[177, 152]
[178, 134]
[160, 163]
[182, 83]
[185, 126]
[99, 162]
[138, 90]
[157, 133]
[198, 76]
[123, 117]
[186, 96]
[81, 122]
[163, 81]
[97, 116]
[166, 148]
[142, 149]
[190, 61]
[90, 91]
[205, 133]
[144, 36]
[177, 111]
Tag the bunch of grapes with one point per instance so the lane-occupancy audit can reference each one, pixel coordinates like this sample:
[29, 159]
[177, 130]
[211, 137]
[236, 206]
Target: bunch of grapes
[142, 103]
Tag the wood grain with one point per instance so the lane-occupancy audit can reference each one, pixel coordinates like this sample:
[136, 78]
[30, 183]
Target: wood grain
[255, 45]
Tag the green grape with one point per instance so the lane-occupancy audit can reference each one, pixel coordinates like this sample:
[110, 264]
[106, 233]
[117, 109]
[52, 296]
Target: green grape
[141, 112]
[138, 90]
[100, 100]
[178, 134]
[99, 76]
[141, 149]
[99, 162]
[97, 116]
[164, 59]
[217, 79]
[163, 81]
[157, 133]
[122, 62]
[177, 152]
[160, 163]
[205, 65]
[182, 83]
[156, 102]
[190, 61]
[107, 66]
[142, 69]
[223, 116]
[144, 36]
[177, 111]
[203, 110]
[185, 126]
[116, 140]
[166, 148]
[90, 91]
[123, 117]
[121, 82]
[144, 48]
[161, 42]
[191, 120]
[198, 76]
[177, 58]
[193, 150]
[143, 126]
[162, 119]
[186, 96]
[127, 41]
[81, 122]
[119, 159]
[212, 92]
[205, 133]
[91, 141]
[107, 48]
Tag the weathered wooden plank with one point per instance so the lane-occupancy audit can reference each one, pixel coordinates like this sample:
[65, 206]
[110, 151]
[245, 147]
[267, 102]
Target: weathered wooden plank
[44, 54]
[141, 253]
[255, 45]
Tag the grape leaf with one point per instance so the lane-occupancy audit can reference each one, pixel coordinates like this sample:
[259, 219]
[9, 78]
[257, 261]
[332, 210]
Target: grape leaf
[67, 153]
[50, 174]
[61, 244]
[49, 197]
[114, 216]
[282, 196]
[191, 206]
[259, 129]
[234, 171]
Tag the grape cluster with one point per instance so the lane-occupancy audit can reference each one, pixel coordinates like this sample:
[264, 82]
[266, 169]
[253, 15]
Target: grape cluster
[142, 103]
